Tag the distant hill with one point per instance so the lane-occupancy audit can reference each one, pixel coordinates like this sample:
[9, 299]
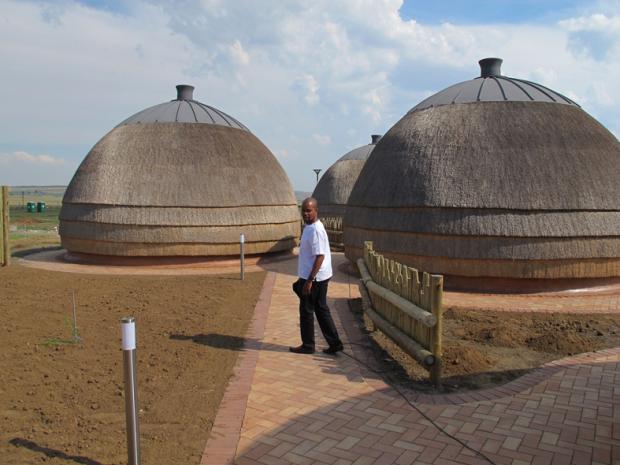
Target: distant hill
[51, 195]
[59, 191]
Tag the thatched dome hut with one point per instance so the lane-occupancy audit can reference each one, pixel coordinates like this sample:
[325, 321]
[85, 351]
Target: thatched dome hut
[179, 179]
[333, 190]
[495, 177]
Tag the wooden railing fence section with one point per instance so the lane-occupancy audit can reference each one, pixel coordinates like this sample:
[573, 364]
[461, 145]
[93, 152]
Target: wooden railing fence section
[406, 304]
[333, 226]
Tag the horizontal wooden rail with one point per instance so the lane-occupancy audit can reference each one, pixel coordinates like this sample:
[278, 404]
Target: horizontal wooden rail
[426, 318]
[419, 353]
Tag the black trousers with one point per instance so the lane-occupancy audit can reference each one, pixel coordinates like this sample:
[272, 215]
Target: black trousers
[312, 304]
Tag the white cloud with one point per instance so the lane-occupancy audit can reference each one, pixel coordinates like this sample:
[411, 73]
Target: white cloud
[322, 139]
[25, 157]
[23, 168]
[309, 87]
[331, 73]
[281, 153]
[239, 55]
[598, 22]
[374, 104]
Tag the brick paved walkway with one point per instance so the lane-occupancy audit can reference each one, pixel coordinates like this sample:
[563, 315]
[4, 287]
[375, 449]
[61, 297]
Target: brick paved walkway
[283, 408]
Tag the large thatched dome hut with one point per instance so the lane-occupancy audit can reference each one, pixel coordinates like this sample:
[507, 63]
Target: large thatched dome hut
[495, 177]
[180, 178]
[333, 190]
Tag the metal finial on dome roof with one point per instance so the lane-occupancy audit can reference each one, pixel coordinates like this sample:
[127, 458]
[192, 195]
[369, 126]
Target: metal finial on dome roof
[375, 138]
[492, 86]
[490, 67]
[185, 92]
[184, 109]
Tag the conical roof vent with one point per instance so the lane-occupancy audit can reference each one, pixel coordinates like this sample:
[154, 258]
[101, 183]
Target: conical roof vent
[491, 86]
[184, 109]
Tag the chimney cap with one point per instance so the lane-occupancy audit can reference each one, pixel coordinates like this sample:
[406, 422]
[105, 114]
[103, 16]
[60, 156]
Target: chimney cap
[185, 92]
[490, 67]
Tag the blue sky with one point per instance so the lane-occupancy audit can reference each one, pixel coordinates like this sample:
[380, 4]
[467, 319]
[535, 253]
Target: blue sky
[312, 80]
[491, 11]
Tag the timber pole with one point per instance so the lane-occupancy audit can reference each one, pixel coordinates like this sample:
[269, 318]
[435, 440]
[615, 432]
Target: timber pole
[6, 247]
[437, 331]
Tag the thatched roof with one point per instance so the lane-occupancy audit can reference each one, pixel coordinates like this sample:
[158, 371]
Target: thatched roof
[333, 189]
[170, 188]
[493, 188]
[513, 155]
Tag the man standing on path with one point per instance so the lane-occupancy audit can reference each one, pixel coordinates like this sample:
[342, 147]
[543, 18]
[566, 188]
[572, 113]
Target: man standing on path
[314, 270]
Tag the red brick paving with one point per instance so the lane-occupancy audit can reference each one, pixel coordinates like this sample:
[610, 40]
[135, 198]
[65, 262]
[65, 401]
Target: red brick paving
[318, 409]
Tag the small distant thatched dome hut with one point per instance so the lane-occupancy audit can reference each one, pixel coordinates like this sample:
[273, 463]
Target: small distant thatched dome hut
[495, 177]
[333, 190]
[179, 179]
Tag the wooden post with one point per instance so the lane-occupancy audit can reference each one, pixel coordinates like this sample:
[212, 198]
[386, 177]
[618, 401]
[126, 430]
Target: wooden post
[6, 247]
[437, 339]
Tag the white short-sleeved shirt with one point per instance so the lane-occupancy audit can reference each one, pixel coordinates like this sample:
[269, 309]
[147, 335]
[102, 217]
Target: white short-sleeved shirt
[314, 242]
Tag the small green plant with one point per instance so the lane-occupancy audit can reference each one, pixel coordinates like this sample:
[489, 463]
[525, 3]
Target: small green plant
[75, 336]
[73, 328]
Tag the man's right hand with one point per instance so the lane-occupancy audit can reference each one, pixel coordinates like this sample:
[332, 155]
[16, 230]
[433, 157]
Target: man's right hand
[307, 288]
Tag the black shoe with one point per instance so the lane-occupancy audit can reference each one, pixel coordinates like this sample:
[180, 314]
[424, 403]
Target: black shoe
[333, 350]
[301, 349]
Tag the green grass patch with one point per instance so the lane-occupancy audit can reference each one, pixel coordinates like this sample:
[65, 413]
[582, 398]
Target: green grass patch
[23, 220]
[33, 230]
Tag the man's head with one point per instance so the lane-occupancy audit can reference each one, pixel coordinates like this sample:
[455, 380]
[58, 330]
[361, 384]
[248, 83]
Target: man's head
[309, 210]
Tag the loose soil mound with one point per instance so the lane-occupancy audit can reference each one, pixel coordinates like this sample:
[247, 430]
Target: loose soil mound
[62, 402]
[486, 348]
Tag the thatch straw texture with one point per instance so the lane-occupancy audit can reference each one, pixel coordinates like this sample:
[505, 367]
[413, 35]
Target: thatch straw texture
[178, 189]
[335, 186]
[502, 189]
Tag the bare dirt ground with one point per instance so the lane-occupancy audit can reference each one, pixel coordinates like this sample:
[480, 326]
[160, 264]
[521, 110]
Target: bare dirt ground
[485, 348]
[62, 402]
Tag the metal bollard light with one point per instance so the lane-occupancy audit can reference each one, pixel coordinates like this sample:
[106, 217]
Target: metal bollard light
[128, 329]
[242, 244]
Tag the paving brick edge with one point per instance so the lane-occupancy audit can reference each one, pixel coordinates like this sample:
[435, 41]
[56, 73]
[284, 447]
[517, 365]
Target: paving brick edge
[221, 446]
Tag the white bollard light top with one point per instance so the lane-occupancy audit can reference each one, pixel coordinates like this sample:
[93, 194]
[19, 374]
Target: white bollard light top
[128, 330]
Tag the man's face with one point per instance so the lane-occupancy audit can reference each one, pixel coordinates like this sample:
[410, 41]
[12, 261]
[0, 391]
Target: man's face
[309, 212]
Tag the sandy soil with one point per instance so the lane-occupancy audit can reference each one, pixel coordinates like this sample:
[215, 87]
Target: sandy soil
[486, 348]
[62, 402]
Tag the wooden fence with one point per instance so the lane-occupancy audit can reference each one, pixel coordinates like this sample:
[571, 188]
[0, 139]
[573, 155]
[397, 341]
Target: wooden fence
[406, 305]
[5, 248]
[333, 226]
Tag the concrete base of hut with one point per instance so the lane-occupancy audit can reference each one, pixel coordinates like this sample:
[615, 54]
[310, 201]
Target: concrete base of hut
[61, 260]
[531, 286]
[195, 261]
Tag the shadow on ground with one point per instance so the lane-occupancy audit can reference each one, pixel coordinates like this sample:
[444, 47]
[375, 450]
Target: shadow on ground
[52, 453]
